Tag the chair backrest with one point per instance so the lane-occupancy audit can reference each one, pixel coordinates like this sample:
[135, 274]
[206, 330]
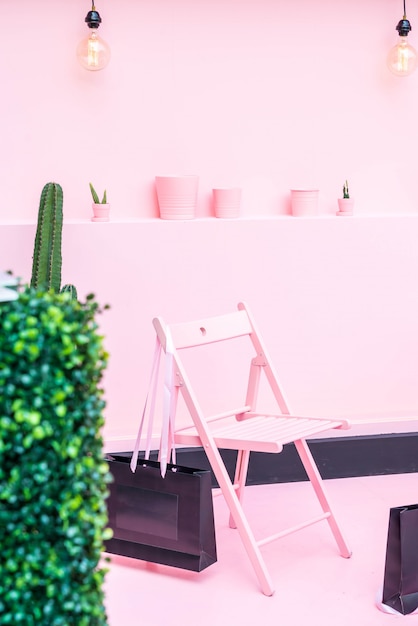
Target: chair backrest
[222, 328]
[205, 331]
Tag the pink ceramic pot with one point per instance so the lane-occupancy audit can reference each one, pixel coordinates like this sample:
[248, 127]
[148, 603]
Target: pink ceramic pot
[345, 206]
[304, 202]
[177, 196]
[100, 212]
[226, 202]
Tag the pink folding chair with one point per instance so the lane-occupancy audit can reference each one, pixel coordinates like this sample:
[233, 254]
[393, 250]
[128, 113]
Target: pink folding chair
[242, 428]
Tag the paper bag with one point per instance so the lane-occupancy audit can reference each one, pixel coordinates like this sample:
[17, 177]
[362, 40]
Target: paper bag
[166, 520]
[400, 586]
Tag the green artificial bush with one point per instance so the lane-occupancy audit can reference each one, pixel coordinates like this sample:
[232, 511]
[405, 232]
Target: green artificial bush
[53, 477]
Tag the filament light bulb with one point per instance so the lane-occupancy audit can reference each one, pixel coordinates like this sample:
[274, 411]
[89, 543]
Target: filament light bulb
[402, 58]
[93, 52]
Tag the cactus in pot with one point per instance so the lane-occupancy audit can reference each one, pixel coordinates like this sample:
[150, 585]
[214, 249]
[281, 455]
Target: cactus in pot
[101, 209]
[47, 256]
[345, 204]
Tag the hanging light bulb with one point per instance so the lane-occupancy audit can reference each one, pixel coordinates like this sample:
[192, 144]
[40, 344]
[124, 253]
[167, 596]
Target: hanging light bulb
[93, 52]
[402, 58]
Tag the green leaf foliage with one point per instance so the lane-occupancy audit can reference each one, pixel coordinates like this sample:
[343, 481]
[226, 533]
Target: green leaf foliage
[95, 195]
[53, 477]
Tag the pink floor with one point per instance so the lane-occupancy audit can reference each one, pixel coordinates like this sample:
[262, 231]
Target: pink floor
[314, 585]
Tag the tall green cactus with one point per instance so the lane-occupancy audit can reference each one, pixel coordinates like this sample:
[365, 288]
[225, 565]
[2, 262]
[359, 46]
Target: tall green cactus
[71, 290]
[47, 260]
[47, 257]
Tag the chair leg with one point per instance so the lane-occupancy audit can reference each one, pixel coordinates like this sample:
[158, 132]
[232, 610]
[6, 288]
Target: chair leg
[317, 483]
[242, 525]
[241, 469]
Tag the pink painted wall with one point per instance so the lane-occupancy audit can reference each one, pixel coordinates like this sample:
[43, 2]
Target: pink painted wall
[234, 91]
[336, 299]
[267, 94]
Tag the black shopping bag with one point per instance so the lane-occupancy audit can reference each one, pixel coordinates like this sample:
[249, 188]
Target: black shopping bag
[400, 586]
[163, 520]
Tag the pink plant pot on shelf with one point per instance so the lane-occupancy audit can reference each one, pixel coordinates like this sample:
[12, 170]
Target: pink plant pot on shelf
[304, 202]
[226, 202]
[177, 196]
[101, 212]
[345, 206]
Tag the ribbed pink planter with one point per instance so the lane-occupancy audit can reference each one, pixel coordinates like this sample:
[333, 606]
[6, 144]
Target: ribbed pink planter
[177, 196]
[304, 202]
[226, 202]
[101, 212]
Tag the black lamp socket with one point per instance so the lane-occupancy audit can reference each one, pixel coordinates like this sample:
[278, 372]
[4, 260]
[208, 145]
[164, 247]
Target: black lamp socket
[403, 27]
[93, 19]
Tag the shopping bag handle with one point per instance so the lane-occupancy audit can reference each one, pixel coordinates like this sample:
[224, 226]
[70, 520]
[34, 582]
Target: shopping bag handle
[167, 427]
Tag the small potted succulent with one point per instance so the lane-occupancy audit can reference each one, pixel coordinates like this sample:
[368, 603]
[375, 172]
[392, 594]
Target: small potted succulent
[345, 204]
[101, 209]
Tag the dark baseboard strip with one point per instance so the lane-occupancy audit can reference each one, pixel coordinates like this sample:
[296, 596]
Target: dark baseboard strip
[343, 457]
